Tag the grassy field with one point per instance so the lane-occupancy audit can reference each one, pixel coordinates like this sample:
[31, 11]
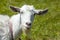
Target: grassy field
[44, 27]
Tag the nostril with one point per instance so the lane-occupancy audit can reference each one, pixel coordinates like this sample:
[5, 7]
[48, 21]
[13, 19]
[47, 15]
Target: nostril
[29, 24]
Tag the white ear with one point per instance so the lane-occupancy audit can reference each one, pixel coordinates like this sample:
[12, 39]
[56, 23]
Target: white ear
[15, 9]
[40, 12]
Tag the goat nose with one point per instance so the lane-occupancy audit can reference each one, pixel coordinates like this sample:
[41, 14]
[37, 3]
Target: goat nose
[29, 24]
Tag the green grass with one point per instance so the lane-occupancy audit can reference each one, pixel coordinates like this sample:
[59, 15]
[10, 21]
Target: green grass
[44, 27]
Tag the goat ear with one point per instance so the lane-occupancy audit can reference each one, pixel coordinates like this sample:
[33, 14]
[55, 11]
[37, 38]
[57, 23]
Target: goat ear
[15, 9]
[41, 12]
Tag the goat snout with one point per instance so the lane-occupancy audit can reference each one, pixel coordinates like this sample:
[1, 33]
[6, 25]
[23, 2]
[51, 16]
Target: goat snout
[29, 24]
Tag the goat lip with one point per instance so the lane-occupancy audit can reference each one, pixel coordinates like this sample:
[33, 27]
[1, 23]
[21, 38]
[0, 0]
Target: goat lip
[28, 25]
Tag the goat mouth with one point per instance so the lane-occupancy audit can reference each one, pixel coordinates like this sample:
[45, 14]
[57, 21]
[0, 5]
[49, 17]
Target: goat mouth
[28, 26]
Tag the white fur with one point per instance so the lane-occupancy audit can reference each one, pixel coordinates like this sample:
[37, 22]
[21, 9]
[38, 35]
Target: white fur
[27, 16]
[4, 27]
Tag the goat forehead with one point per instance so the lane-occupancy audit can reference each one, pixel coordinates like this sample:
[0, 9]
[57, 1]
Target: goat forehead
[27, 7]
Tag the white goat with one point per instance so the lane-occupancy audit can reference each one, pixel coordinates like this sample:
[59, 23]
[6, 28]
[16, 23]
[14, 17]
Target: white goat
[20, 22]
[23, 20]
